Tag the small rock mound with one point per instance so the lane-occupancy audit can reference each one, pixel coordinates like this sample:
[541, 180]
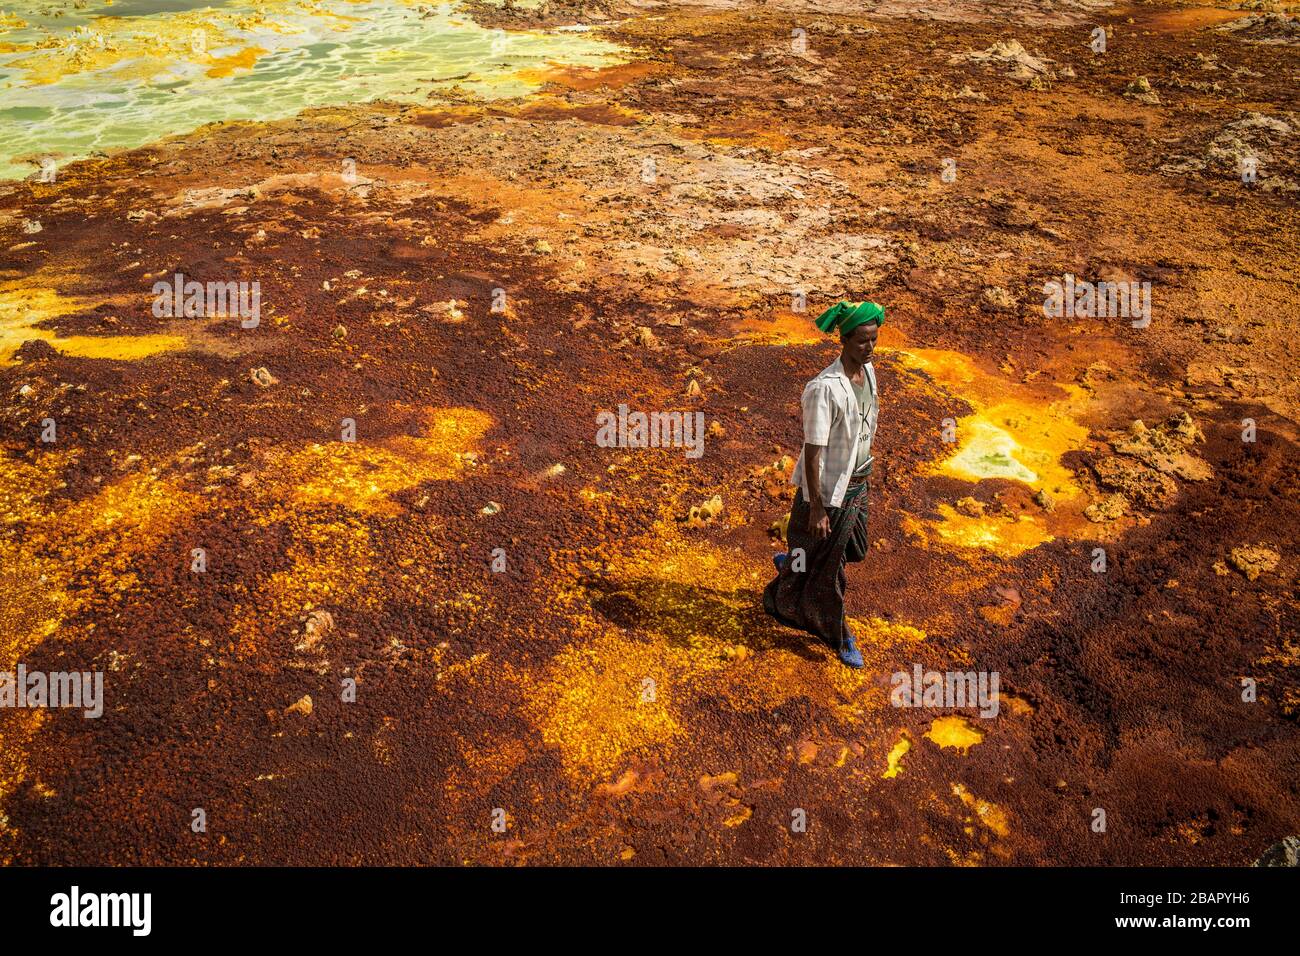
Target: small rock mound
[1143, 470]
[701, 515]
[1020, 64]
[774, 480]
[1268, 28]
[1267, 143]
[1167, 447]
[1252, 560]
[1285, 852]
[1140, 90]
[262, 378]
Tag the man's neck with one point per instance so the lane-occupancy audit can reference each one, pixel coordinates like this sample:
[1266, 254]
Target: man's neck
[852, 367]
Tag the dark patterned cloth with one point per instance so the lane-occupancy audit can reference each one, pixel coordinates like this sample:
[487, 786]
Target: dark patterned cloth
[812, 600]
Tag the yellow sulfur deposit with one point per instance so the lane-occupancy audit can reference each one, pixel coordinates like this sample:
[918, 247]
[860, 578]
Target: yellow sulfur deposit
[23, 307]
[955, 732]
[1011, 434]
[242, 61]
[364, 475]
[1008, 537]
[332, 563]
[896, 758]
[785, 328]
[600, 700]
[684, 615]
[989, 814]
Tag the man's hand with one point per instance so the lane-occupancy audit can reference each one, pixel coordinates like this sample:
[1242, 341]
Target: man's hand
[819, 523]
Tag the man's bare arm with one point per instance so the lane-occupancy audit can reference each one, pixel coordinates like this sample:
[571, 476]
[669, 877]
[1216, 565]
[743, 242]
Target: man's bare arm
[819, 523]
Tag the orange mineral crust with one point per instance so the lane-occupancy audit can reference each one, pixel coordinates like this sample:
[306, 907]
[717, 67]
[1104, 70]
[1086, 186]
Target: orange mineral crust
[368, 580]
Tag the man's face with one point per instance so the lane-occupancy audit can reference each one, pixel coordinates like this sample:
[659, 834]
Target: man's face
[861, 342]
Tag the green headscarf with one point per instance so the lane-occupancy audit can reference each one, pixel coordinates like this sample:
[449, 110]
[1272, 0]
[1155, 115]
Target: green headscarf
[847, 316]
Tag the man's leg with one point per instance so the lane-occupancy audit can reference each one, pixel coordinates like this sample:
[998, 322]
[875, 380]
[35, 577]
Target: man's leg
[855, 551]
[810, 597]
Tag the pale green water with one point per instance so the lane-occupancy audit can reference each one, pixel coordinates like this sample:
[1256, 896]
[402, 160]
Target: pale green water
[130, 73]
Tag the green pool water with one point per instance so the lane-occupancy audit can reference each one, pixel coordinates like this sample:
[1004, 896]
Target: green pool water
[79, 76]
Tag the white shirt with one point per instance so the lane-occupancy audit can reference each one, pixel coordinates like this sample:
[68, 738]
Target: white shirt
[831, 418]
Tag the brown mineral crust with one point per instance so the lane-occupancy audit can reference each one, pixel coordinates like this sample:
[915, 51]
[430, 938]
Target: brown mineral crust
[478, 690]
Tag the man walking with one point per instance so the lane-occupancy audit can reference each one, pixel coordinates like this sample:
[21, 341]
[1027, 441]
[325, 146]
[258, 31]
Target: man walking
[828, 521]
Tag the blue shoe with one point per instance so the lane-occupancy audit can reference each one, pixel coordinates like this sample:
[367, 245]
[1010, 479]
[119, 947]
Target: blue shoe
[778, 560]
[850, 656]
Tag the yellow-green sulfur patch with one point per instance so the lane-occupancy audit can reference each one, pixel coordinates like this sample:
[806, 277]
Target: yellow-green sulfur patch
[77, 81]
